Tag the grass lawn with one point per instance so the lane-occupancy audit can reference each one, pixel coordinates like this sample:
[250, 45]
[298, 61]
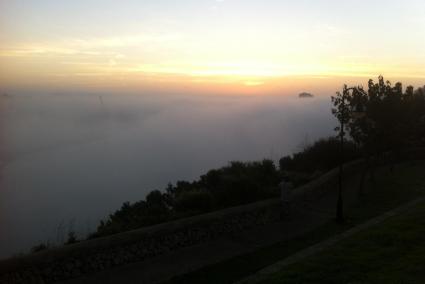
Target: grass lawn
[391, 252]
[389, 191]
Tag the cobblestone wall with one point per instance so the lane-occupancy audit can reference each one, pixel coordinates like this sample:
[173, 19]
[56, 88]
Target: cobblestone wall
[89, 256]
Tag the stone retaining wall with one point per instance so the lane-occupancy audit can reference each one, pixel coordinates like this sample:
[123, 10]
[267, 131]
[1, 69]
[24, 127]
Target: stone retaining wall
[98, 254]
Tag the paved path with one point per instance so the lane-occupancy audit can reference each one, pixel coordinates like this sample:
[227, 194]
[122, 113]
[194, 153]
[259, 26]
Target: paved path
[304, 217]
[265, 272]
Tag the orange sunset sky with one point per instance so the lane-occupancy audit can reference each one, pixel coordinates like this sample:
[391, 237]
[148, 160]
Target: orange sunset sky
[208, 44]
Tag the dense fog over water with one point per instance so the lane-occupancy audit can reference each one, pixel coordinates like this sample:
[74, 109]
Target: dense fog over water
[69, 160]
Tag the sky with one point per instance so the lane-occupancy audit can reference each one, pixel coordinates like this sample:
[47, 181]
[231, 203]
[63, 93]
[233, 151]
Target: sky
[212, 44]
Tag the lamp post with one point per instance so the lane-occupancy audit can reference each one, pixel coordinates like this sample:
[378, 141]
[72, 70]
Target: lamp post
[342, 113]
[339, 204]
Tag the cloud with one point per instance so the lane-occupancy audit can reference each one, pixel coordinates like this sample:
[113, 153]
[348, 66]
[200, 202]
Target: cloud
[201, 69]
[253, 83]
[123, 41]
[48, 50]
[31, 50]
[86, 46]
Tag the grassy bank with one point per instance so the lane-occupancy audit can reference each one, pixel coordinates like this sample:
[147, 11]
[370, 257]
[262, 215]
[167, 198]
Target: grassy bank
[391, 252]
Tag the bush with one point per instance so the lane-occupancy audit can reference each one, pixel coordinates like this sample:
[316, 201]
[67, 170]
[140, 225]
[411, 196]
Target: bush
[241, 183]
[152, 211]
[238, 183]
[72, 238]
[40, 247]
[323, 155]
[194, 202]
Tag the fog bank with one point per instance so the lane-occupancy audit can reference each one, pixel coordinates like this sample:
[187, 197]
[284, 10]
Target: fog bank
[69, 160]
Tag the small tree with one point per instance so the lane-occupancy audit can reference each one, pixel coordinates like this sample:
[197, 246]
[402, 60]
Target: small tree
[341, 111]
[381, 120]
[72, 238]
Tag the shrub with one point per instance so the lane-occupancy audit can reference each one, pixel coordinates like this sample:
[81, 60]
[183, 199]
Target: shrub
[238, 183]
[323, 155]
[194, 202]
[40, 247]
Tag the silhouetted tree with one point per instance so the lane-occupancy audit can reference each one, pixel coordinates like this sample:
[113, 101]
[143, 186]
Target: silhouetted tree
[384, 120]
[238, 183]
[321, 156]
[341, 111]
[72, 238]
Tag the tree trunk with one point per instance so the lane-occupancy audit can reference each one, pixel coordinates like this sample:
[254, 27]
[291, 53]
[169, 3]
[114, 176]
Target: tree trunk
[372, 168]
[360, 190]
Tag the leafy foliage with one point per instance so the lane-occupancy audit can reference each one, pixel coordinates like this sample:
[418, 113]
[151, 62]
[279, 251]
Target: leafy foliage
[147, 212]
[321, 156]
[238, 183]
[385, 118]
[72, 238]
[40, 247]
